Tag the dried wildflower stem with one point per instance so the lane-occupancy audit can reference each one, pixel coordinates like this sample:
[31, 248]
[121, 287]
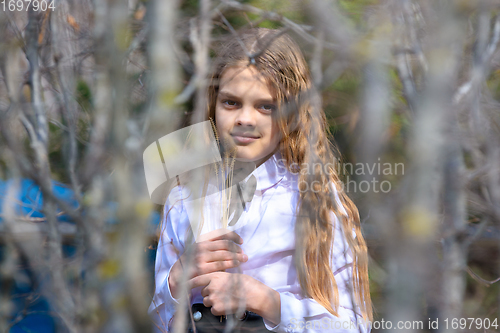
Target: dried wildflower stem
[227, 187]
[225, 182]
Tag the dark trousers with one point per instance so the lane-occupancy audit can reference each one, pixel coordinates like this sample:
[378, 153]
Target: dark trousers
[208, 323]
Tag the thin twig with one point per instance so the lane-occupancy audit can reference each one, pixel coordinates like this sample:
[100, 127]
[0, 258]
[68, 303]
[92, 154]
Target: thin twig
[480, 279]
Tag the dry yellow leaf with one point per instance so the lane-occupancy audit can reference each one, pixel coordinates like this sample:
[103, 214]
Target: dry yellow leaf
[72, 22]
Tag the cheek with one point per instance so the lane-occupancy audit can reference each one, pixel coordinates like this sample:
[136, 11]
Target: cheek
[275, 133]
[220, 120]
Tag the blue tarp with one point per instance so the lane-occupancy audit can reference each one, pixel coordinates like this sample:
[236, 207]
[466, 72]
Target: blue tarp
[29, 199]
[32, 314]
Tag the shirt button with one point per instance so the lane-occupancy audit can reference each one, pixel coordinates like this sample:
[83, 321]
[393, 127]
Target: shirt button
[197, 316]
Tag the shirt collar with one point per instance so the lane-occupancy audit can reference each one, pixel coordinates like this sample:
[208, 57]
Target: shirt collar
[269, 173]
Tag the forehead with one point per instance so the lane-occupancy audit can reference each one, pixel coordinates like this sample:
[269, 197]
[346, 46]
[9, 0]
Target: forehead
[245, 82]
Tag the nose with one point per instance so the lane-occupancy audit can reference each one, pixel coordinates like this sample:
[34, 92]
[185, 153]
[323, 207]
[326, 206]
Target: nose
[246, 117]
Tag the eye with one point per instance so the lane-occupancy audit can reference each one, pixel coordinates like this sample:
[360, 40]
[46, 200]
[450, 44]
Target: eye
[229, 103]
[268, 107]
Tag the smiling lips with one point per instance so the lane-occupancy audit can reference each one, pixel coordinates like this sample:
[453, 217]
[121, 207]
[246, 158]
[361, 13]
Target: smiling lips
[244, 139]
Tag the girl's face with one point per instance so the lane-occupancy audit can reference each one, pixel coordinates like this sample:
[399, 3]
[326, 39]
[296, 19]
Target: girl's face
[243, 114]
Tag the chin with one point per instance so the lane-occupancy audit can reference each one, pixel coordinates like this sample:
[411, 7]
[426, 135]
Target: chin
[257, 159]
[243, 154]
[246, 158]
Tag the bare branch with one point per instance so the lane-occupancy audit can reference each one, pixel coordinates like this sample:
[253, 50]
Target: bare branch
[480, 279]
[480, 69]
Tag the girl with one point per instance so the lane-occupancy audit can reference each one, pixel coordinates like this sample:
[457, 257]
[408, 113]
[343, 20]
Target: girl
[295, 260]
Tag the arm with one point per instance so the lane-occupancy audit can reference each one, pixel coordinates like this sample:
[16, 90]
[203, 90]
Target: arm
[298, 314]
[170, 247]
[301, 314]
[265, 301]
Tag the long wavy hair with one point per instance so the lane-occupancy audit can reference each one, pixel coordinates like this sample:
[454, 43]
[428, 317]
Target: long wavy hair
[306, 149]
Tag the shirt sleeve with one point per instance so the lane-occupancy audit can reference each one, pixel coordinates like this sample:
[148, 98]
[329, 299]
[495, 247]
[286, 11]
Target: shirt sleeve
[302, 314]
[170, 248]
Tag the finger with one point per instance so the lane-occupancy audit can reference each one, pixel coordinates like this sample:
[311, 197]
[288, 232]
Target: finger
[233, 236]
[200, 281]
[218, 266]
[223, 255]
[214, 309]
[204, 262]
[212, 267]
[207, 302]
[205, 292]
[209, 251]
[221, 244]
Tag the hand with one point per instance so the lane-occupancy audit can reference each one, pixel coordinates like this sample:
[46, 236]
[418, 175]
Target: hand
[215, 254]
[231, 293]
[225, 293]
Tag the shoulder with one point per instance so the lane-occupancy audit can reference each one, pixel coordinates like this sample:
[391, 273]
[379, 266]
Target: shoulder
[174, 210]
[175, 225]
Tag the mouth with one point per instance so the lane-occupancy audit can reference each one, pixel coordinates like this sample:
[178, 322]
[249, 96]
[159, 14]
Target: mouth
[244, 139]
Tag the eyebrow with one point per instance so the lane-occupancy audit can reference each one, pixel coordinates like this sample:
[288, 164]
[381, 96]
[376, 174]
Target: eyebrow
[226, 94]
